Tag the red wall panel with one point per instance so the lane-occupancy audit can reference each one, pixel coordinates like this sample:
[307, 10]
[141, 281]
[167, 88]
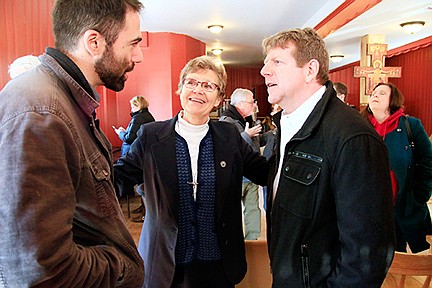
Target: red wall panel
[25, 29]
[345, 75]
[415, 83]
[249, 78]
[238, 77]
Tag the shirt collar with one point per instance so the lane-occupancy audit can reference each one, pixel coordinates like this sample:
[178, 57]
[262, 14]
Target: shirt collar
[304, 110]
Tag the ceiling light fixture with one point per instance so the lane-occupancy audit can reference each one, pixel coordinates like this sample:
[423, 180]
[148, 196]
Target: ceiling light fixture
[336, 58]
[217, 51]
[215, 28]
[413, 26]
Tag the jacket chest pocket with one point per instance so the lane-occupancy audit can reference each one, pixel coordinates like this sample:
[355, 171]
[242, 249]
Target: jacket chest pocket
[100, 186]
[100, 168]
[299, 176]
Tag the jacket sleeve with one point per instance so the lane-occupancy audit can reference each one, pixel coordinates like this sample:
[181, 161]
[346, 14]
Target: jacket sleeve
[422, 180]
[127, 170]
[239, 127]
[40, 173]
[255, 166]
[363, 203]
[131, 131]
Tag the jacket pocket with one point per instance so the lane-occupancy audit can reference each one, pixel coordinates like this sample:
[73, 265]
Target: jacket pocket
[299, 180]
[99, 167]
[102, 186]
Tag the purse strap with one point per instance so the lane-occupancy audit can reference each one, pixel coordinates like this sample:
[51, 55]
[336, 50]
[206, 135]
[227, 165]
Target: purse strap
[409, 200]
[409, 132]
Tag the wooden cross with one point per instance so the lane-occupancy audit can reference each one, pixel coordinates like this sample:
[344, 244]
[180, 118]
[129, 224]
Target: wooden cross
[376, 73]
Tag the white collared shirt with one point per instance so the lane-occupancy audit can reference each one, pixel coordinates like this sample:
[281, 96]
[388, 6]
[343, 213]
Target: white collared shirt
[290, 124]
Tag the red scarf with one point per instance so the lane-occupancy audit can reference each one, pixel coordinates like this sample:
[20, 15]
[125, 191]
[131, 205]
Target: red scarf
[390, 124]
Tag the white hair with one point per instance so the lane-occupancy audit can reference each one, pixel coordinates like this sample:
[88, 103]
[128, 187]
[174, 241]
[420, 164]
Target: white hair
[239, 95]
[22, 64]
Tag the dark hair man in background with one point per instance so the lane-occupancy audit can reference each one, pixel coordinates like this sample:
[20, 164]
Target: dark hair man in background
[341, 91]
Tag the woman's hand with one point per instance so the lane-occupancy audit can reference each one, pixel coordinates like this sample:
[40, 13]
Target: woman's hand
[118, 130]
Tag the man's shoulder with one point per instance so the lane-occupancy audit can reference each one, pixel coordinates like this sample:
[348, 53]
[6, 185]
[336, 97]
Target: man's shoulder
[30, 90]
[343, 121]
[226, 118]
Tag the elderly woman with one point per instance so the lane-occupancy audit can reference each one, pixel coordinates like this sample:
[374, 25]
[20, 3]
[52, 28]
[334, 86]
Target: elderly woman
[411, 165]
[191, 168]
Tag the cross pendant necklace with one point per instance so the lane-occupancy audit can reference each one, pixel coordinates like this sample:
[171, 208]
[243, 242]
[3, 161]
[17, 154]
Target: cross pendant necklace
[194, 184]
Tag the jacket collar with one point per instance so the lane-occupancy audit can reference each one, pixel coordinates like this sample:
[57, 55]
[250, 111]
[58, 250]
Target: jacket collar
[234, 113]
[315, 117]
[139, 112]
[81, 96]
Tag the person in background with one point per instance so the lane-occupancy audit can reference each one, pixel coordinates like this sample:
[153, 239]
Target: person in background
[410, 164]
[62, 225]
[191, 168]
[22, 64]
[140, 115]
[329, 214]
[242, 106]
[341, 91]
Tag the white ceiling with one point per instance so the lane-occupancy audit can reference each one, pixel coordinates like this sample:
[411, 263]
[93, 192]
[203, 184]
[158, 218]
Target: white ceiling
[247, 22]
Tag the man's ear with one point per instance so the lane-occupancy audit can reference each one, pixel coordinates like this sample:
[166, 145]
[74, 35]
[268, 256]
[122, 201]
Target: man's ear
[94, 42]
[312, 68]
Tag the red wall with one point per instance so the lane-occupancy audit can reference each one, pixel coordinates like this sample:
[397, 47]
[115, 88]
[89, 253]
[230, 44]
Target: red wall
[345, 75]
[414, 84]
[242, 77]
[249, 78]
[25, 29]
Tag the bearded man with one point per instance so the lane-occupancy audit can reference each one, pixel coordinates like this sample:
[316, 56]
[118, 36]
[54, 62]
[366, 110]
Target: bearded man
[62, 225]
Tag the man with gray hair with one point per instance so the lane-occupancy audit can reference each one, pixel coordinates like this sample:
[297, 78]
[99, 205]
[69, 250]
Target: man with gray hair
[239, 112]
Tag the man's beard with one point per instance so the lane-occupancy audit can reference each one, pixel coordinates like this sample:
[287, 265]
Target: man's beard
[112, 71]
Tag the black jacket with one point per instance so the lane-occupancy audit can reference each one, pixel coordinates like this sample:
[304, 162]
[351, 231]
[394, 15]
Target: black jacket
[138, 118]
[231, 115]
[152, 161]
[331, 222]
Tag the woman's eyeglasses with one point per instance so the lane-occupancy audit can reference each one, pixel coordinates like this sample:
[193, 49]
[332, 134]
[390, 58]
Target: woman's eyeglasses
[191, 83]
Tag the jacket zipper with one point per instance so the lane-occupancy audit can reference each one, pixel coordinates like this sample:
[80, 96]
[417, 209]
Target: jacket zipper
[305, 265]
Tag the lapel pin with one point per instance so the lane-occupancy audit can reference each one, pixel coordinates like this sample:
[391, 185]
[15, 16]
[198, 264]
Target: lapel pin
[223, 164]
